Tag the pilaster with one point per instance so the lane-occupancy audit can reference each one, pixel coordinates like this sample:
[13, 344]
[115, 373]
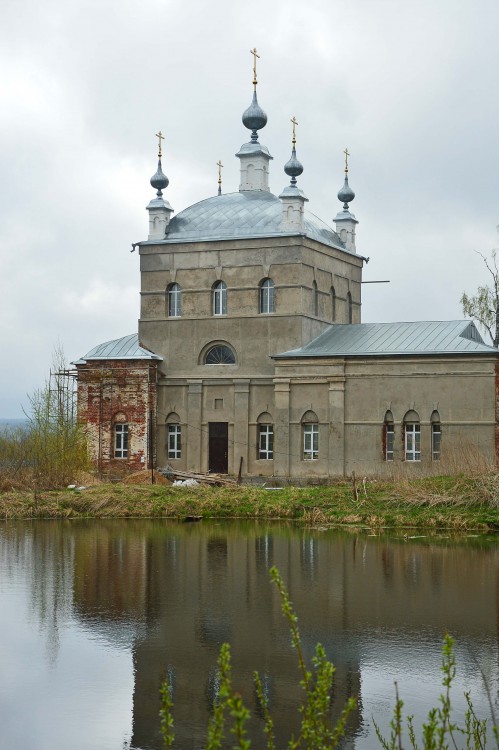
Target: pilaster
[241, 420]
[336, 427]
[194, 420]
[281, 438]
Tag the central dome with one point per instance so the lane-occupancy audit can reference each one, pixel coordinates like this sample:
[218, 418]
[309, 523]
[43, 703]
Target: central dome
[254, 213]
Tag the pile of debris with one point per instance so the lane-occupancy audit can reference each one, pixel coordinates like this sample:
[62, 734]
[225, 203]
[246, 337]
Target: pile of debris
[215, 480]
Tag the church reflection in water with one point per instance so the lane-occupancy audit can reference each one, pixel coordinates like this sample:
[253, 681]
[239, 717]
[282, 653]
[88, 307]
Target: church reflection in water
[176, 592]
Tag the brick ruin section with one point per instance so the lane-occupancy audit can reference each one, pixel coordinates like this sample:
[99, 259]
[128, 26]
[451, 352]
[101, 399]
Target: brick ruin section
[114, 392]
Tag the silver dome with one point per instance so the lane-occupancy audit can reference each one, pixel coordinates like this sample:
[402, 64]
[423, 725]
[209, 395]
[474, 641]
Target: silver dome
[244, 214]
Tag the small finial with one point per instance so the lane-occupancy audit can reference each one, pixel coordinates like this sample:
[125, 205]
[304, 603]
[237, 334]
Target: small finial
[255, 55]
[347, 154]
[219, 165]
[159, 181]
[293, 167]
[346, 194]
[160, 138]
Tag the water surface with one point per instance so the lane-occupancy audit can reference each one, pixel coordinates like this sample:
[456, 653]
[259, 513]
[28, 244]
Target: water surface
[94, 613]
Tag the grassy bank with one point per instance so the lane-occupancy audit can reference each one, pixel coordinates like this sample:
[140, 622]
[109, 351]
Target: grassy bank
[462, 502]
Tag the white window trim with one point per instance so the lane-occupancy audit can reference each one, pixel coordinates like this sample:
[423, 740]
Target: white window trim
[121, 441]
[389, 430]
[265, 442]
[267, 297]
[174, 441]
[220, 298]
[310, 441]
[412, 442]
[435, 454]
[174, 301]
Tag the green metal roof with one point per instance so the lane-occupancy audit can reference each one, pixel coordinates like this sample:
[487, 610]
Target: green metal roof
[395, 339]
[127, 347]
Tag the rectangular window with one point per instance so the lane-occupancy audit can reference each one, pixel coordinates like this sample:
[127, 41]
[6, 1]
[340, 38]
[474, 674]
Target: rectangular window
[310, 442]
[174, 301]
[174, 441]
[220, 299]
[121, 441]
[412, 442]
[389, 441]
[436, 440]
[266, 441]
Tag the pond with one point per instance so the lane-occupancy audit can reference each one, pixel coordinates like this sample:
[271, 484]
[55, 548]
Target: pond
[94, 613]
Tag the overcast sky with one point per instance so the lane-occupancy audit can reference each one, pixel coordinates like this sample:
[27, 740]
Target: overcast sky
[410, 87]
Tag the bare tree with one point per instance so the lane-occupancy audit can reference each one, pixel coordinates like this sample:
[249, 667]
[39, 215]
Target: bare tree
[56, 443]
[484, 305]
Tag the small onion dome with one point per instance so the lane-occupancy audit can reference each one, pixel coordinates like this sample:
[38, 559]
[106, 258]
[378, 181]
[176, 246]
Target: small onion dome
[254, 118]
[293, 167]
[346, 194]
[159, 181]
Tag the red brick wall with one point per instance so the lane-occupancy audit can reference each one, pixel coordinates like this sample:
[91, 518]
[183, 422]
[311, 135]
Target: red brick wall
[107, 389]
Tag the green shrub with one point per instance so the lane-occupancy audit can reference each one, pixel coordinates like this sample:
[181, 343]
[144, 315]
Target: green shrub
[317, 732]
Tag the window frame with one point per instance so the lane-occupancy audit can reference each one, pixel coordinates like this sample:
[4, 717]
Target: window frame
[266, 442]
[315, 299]
[349, 307]
[174, 443]
[389, 441]
[333, 304]
[267, 297]
[310, 432]
[219, 298]
[121, 440]
[436, 442]
[221, 347]
[174, 300]
[412, 442]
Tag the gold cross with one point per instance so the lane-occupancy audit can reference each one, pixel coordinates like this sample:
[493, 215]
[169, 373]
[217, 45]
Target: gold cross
[160, 137]
[219, 165]
[255, 55]
[295, 123]
[347, 154]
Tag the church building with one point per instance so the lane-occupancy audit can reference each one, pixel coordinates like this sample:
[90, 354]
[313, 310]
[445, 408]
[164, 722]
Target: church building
[251, 357]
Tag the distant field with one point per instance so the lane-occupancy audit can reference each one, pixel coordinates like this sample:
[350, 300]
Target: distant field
[10, 424]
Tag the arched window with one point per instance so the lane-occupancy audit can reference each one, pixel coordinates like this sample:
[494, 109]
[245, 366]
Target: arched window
[267, 296]
[220, 298]
[174, 301]
[174, 431]
[265, 449]
[349, 308]
[388, 436]
[310, 432]
[315, 299]
[333, 304]
[220, 354]
[436, 436]
[412, 436]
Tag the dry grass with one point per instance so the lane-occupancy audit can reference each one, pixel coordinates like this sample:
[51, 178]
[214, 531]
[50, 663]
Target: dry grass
[452, 502]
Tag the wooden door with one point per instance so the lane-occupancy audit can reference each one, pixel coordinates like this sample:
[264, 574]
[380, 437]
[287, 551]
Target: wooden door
[218, 447]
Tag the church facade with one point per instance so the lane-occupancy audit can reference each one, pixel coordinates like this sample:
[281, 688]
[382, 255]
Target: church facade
[251, 356]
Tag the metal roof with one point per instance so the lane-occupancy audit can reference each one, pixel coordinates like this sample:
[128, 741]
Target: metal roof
[127, 347]
[251, 213]
[395, 339]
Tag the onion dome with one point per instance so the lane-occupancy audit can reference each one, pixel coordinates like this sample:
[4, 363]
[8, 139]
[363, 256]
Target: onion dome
[346, 194]
[159, 181]
[293, 167]
[254, 118]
